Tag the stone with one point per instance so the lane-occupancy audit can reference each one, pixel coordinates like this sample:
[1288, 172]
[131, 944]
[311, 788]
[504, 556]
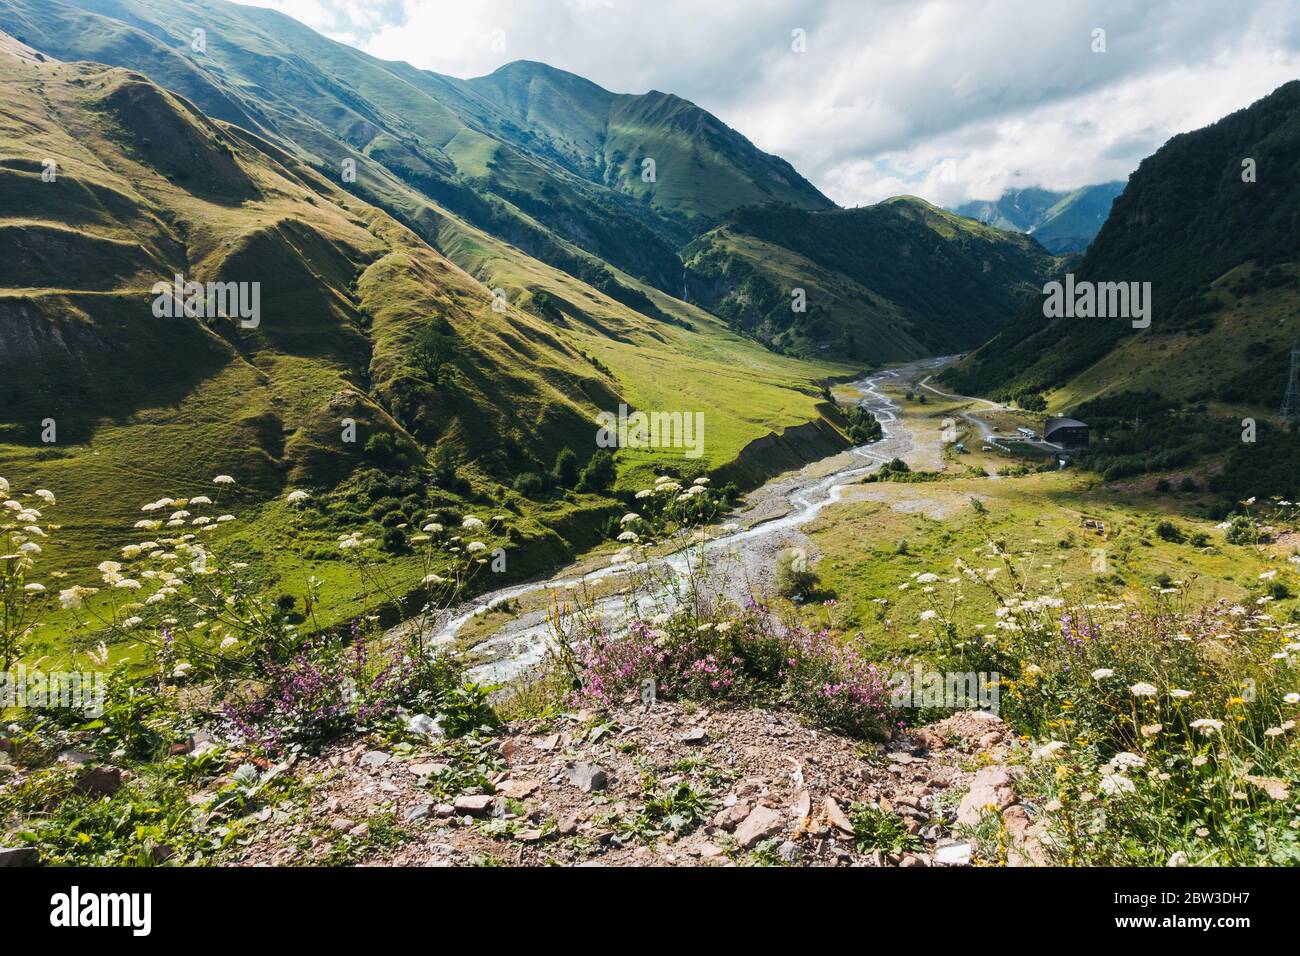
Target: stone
[19, 856]
[548, 743]
[710, 851]
[955, 854]
[836, 817]
[421, 811]
[444, 810]
[75, 758]
[802, 806]
[518, 789]
[789, 852]
[992, 786]
[762, 823]
[475, 805]
[99, 781]
[912, 860]
[373, 758]
[567, 826]
[696, 736]
[586, 776]
[728, 818]
[425, 725]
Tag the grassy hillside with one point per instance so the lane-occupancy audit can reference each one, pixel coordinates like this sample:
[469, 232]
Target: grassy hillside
[1221, 255]
[893, 281]
[1062, 222]
[360, 319]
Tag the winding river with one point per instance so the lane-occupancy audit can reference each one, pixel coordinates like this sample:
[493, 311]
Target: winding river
[800, 496]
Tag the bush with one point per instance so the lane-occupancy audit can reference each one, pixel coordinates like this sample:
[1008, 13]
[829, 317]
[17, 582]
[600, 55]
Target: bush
[599, 474]
[1168, 531]
[794, 579]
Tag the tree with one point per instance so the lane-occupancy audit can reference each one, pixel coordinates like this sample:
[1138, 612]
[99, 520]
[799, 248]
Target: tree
[435, 346]
[599, 474]
[565, 472]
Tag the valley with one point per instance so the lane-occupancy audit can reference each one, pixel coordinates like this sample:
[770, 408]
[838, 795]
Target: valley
[508, 470]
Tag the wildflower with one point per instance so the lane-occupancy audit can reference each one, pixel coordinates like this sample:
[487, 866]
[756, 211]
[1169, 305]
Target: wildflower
[476, 546]
[34, 588]
[929, 614]
[295, 497]
[630, 536]
[44, 495]
[1207, 726]
[1150, 730]
[629, 518]
[131, 623]
[433, 579]
[1178, 858]
[129, 584]
[224, 518]
[29, 547]
[1049, 751]
[1116, 784]
[1291, 699]
[1200, 760]
[4, 487]
[1142, 690]
[223, 480]
[1179, 694]
[432, 528]
[228, 642]
[471, 523]
[1101, 673]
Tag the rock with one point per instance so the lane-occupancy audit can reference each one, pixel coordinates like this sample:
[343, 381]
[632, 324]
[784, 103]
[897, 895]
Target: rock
[802, 806]
[444, 810]
[421, 811]
[710, 851]
[518, 789]
[75, 758]
[696, 736]
[99, 781]
[19, 856]
[955, 854]
[789, 852]
[475, 805]
[728, 818]
[425, 725]
[548, 743]
[990, 740]
[991, 787]
[341, 824]
[762, 823]
[360, 830]
[836, 817]
[567, 826]
[912, 860]
[373, 758]
[586, 776]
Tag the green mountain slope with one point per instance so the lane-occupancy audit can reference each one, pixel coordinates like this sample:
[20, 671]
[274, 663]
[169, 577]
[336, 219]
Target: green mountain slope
[893, 281]
[1221, 255]
[361, 319]
[487, 150]
[1062, 222]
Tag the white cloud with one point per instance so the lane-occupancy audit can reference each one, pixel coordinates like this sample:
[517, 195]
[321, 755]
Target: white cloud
[947, 99]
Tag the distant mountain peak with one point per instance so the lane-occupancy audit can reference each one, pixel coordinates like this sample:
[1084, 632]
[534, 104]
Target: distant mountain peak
[1063, 222]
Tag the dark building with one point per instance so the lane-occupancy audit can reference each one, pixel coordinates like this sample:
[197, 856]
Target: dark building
[1069, 433]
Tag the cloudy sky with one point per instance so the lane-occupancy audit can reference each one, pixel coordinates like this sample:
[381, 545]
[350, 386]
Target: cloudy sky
[946, 99]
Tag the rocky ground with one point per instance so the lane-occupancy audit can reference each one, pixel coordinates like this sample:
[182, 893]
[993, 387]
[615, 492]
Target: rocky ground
[664, 786]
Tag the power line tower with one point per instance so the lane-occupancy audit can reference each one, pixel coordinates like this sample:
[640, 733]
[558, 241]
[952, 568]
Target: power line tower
[1291, 403]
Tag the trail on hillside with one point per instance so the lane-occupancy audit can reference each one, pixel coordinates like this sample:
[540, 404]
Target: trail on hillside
[770, 518]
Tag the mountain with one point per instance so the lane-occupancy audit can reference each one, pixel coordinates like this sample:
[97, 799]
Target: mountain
[894, 281]
[360, 320]
[1062, 221]
[1220, 249]
[540, 158]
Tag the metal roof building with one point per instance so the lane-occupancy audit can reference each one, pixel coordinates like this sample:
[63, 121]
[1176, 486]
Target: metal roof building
[1069, 433]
